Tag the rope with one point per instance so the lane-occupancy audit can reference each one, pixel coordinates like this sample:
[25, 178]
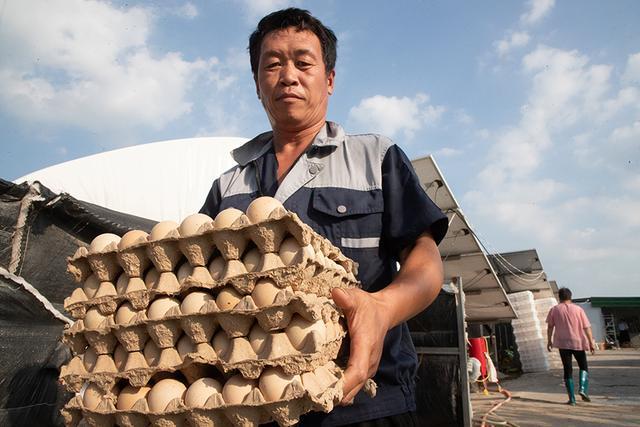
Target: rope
[20, 408]
[36, 294]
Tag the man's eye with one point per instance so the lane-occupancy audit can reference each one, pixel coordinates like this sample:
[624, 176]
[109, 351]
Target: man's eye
[272, 65]
[303, 64]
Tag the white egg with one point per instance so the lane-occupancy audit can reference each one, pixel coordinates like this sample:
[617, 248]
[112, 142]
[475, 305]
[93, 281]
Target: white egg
[251, 260]
[130, 395]
[220, 343]
[93, 318]
[184, 271]
[227, 299]
[226, 218]
[257, 338]
[135, 284]
[159, 307]
[273, 382]
[89, 359]
[125, 314]
[236, 389]
[92, 396]
[290, 251]
[185, 346]
[151, 278]
[105, 289]
[200, 391]
[91, 285]
[100, 243]
[299, 329]
[120, 356]
[193, 302]
[132, 238]
[121, 284]
[162, 230]
[216, 268]
[191, 224]
[260, 209]
[264, 293]
[163, 392]
[151, 353]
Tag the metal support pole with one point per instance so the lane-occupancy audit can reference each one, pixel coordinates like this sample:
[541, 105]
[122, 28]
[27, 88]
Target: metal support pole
[494, 344]
[462, 348]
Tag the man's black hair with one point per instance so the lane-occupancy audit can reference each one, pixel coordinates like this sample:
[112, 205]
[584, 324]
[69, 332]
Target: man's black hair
[300, 19]
[564, 294]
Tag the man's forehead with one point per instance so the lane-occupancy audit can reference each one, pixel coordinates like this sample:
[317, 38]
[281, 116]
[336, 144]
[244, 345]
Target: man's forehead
[300, 39]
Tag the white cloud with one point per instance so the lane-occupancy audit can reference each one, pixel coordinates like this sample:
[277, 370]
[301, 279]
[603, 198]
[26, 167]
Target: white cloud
[464, 118]
[448, 152]
[187, 11]
[256, 9]
[572, 104]
[627, 135]
[632, 73]
[632, 183]
[391, 115]
[86, 64]
[512, 41]
[483, 134]
[538, 9]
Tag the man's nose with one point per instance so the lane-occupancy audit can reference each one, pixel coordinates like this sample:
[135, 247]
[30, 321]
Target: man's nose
[288, 74]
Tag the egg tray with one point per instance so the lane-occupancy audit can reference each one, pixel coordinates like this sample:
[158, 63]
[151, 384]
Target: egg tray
[317, 390]
[230, 242]
[199, 326]
[306, 276]
[276, 350]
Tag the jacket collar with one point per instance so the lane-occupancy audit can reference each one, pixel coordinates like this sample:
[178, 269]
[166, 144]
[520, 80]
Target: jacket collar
[331, 134]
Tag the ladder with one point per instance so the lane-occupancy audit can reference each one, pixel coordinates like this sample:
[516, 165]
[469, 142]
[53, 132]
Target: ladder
[610, 334]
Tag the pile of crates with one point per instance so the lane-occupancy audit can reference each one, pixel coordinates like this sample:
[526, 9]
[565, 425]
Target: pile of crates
[530, 330]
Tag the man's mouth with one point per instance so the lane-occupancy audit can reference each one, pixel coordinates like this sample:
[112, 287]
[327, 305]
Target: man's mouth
[288, 96]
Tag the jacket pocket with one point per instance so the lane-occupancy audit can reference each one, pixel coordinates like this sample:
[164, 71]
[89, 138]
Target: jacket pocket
[355, 216]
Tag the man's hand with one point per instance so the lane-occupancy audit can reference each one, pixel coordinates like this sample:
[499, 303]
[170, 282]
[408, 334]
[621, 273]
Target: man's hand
[368, 326]
[592, 347]
[371, 315]
[549, 346]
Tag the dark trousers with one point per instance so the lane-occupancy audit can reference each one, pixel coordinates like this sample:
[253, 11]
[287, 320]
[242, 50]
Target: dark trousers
[408, 419]
[581, 358]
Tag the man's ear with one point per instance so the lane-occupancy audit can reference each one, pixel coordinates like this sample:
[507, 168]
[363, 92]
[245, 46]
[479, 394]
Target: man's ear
[330, 81]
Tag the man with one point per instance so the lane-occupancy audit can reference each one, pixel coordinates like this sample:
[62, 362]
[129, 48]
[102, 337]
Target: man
[360, 192]
[569, 330]
[623, 328]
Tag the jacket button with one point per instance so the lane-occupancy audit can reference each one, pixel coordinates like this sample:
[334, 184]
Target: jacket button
[341, 209]
[313, 169]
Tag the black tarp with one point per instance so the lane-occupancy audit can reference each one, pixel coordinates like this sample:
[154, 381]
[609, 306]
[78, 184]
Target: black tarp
[438, 392]
[38, 231]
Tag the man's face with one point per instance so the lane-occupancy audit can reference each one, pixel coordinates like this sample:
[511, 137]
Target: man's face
[292, 81]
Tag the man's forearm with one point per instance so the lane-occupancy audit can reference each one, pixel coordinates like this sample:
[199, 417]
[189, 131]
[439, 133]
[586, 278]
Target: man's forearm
[549, 333]
[417, 284]
[589, 334]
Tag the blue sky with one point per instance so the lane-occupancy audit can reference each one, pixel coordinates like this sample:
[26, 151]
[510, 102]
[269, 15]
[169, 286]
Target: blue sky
[531, 109]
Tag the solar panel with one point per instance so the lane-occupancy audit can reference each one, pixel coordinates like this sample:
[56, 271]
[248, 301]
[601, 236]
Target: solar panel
[462, 254]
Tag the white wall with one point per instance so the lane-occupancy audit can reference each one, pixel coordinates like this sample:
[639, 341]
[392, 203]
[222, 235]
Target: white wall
[595, 317]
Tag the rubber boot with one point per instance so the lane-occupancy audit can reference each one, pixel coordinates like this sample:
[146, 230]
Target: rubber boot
[568, 383]
[583, 387]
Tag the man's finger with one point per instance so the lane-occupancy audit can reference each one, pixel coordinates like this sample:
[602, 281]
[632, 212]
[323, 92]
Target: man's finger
[343, 299]
[357, 369]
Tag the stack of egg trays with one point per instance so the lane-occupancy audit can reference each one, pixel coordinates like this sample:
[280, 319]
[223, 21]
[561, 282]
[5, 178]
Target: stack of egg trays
[310, 278]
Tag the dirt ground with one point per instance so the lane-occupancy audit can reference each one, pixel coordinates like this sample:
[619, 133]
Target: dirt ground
[538, 399]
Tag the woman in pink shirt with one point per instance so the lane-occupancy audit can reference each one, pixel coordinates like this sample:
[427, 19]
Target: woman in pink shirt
[569, 330]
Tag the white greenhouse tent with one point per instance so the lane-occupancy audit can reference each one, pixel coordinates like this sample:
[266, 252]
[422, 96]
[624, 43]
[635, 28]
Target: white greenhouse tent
[166, 180]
